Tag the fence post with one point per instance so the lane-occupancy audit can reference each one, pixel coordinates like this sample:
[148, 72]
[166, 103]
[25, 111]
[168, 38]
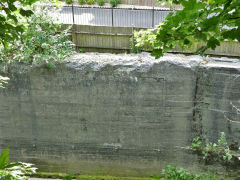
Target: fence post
[74, 35]
[73, 14]
[112, 18]
[153, 17]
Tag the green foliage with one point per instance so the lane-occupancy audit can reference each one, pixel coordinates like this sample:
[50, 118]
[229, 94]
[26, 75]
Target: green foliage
[210, 150]
[41, 43]
[133, 48]
[11, 12]
[4, 158]
[101, 2]
[81, 2]
[90, 2]
[69, 1]
[79, 50]
[114, 3]
[196, 143]
[3, 80]
[14, 171]
[207, 21]
[173, 173]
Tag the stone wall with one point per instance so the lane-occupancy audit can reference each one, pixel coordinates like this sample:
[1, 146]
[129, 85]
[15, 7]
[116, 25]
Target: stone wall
[118, 114]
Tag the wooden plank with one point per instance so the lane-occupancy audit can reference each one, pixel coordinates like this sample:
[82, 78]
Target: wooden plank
[104, 37]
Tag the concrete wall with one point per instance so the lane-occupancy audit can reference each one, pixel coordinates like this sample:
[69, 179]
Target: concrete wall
[121, 115]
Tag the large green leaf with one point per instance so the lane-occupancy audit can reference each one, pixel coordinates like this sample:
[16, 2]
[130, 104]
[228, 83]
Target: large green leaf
[207, 22]
[4, 158]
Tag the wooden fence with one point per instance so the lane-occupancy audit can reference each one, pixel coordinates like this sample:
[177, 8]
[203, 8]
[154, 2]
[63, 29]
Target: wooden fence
[102, 37]
[118, 38]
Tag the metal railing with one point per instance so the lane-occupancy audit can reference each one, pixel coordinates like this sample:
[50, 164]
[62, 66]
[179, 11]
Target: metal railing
[109, 16]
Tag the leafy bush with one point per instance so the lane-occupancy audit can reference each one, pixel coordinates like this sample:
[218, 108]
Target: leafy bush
[114, 3]
[133, 48]
[171, 173]
[14, 171]
[101, 2]
[81, 2]
[210, 150]
[69, 1]
[40, 44]
[90, 2]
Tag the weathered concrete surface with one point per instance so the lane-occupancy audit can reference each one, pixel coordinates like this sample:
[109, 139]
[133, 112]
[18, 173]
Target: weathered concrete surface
[118, 114]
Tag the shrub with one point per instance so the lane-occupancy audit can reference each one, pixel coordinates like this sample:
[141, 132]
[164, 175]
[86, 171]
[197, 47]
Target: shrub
[133, 48]
[213, 151]
[90, 2]
[69, 1]
[81, 2]
[171, 172]
[114, 3]
[40, 44]
[174, 173]
[101, 2]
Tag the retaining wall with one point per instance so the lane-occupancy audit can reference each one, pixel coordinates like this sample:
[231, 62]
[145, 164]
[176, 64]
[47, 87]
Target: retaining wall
[128, 115]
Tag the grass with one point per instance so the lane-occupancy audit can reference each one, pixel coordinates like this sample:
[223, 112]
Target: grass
[87, 177]
[98, 177]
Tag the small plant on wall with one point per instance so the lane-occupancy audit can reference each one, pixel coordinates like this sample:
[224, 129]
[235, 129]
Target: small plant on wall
[133, 48]
[213, 151]
[114, 3]
[101, 2]
[69, 1]
[81, 2]
[3, 80]
[90, 2]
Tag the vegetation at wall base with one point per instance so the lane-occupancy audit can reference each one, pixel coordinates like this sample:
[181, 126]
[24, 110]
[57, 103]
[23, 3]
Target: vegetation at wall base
[101, 2]
[174, 173]
[169, 173]
[114, 3]
[14, 171]
[207, 21]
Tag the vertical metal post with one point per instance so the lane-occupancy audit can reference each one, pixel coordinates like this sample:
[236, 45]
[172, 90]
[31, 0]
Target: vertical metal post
[112, 18]
[132, 19]
[73, 14]
[74, 35]
[153, 17]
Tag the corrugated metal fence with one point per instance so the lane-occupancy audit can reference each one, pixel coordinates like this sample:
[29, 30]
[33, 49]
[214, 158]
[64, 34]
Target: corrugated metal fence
[112, 28]
[109, 16]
